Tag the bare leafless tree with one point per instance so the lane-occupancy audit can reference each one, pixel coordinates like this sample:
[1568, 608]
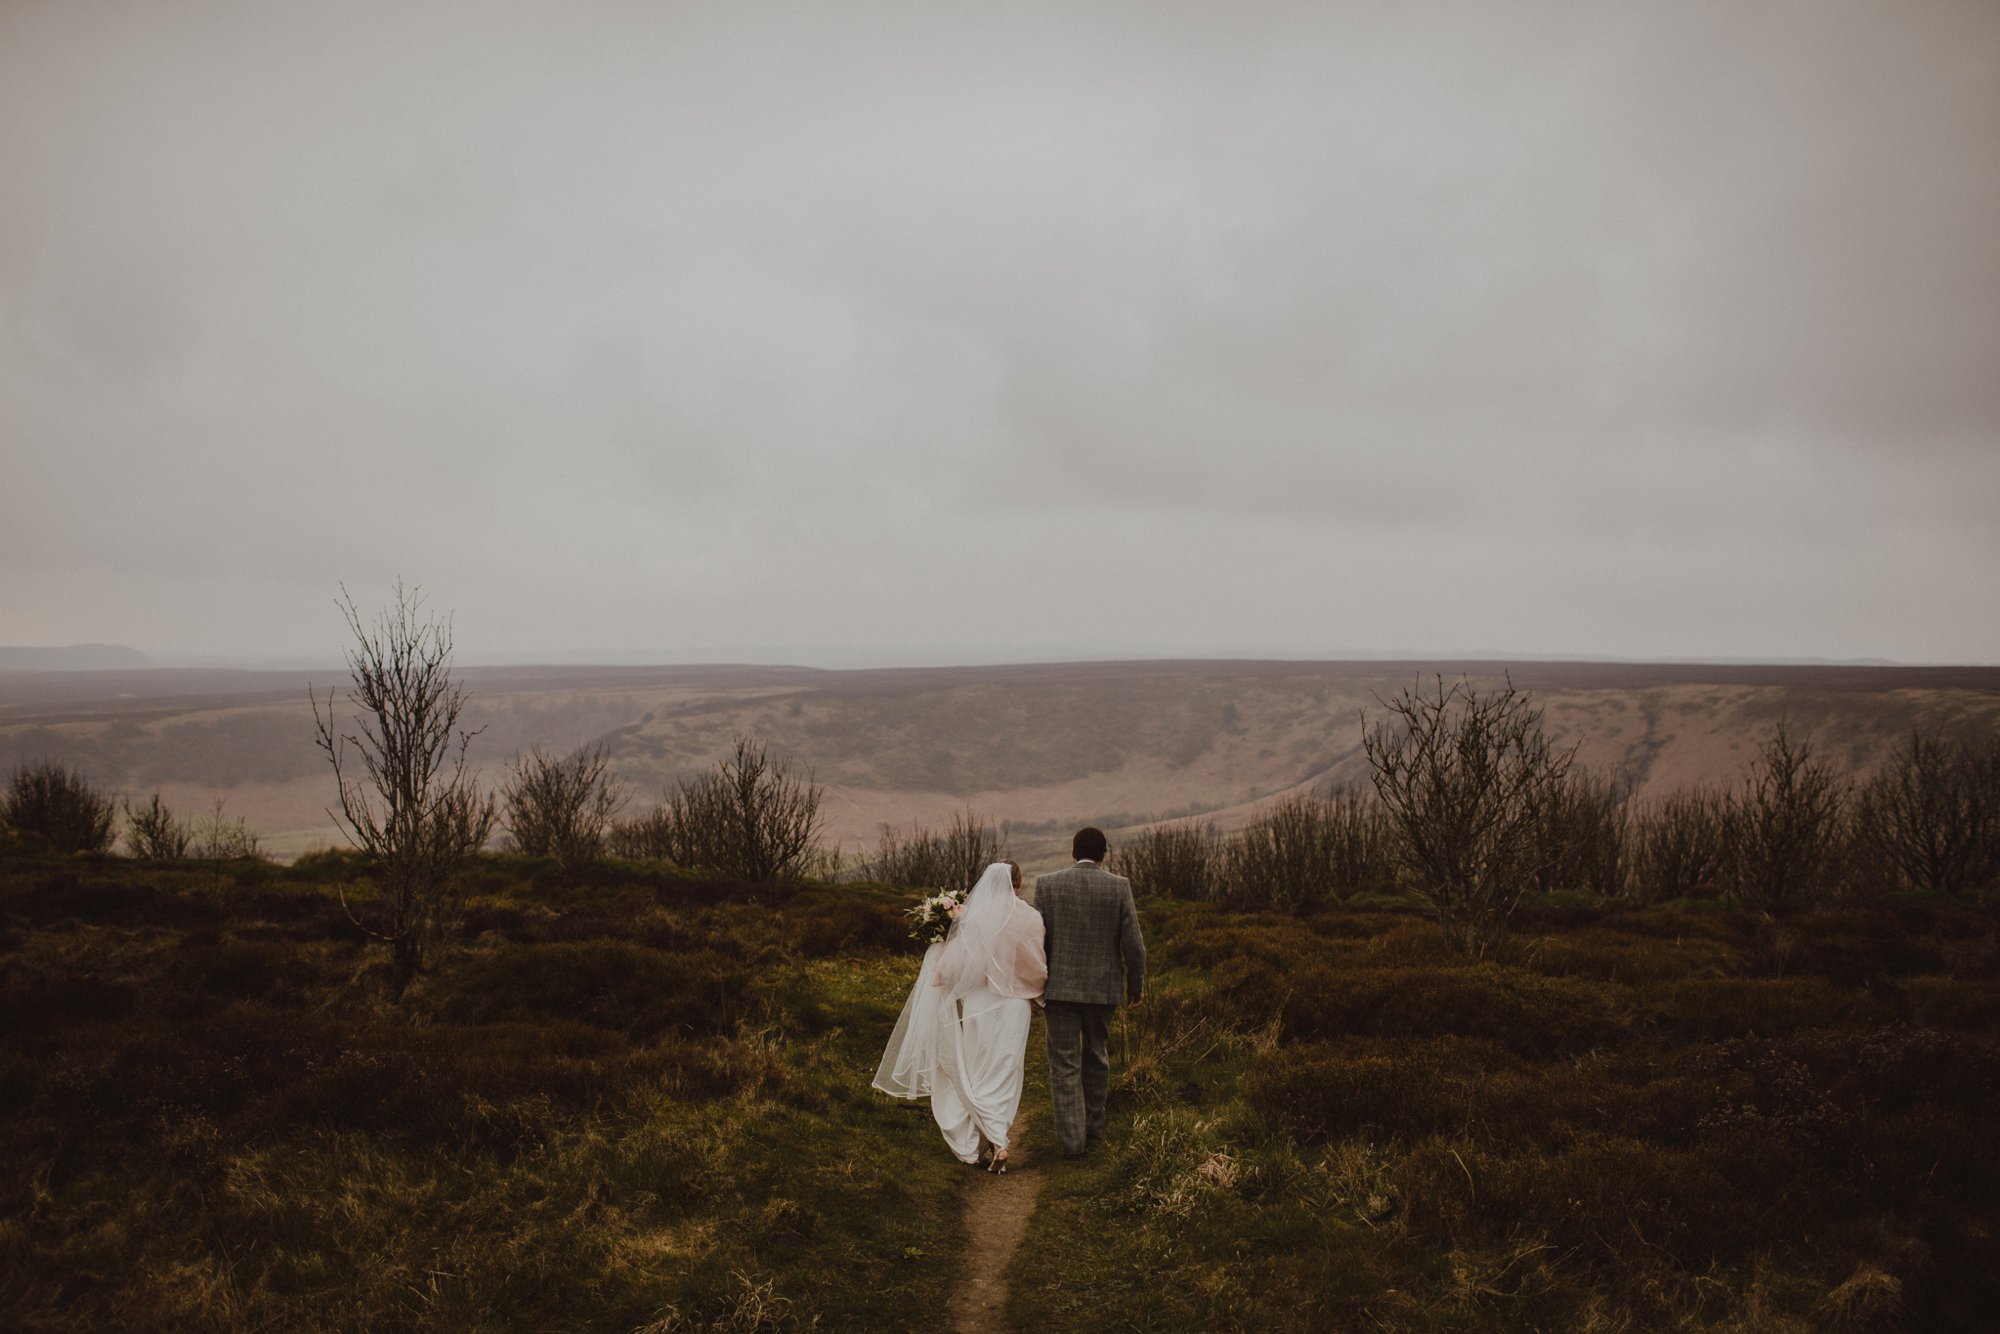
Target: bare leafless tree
[749, 818]
[1680, 845]
[1584, 836]
[1933, 813]
[218, 838]
[951, 858]
[562, 806]
[413, 807]
[154, 833]
[1785, 823]
[1465, 776]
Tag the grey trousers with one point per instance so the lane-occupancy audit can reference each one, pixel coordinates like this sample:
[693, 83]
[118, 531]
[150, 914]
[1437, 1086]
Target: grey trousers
[1079, 1069]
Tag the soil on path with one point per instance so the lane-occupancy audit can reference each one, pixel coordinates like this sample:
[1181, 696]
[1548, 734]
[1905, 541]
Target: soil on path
[997, 1210]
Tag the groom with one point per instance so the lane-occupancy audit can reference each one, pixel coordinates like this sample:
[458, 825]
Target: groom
[1096, 958]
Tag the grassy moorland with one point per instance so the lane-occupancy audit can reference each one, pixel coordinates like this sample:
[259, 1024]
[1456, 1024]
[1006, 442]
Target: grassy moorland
[634, 1103]
[1659, 1119]
[628, 1099]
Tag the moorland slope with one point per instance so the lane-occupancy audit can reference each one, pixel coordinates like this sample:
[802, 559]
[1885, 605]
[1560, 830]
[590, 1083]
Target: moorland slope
[1042, 747]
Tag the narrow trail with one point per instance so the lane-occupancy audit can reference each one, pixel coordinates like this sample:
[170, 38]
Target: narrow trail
[997, 1210]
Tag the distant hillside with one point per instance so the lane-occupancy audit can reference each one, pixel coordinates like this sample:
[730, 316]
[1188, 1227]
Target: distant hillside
[1043, 747]
[70, 658]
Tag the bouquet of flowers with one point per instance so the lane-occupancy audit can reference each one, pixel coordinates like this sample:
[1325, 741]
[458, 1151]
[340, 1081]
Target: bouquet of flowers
[931, 919]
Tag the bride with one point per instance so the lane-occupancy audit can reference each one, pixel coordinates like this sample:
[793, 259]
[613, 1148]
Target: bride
[962, 1039]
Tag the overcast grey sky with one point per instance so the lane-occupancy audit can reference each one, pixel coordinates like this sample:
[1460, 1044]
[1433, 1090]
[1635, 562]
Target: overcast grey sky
[931, 331]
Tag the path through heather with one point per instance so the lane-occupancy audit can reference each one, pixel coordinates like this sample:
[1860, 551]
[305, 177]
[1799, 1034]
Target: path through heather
[997, 1210]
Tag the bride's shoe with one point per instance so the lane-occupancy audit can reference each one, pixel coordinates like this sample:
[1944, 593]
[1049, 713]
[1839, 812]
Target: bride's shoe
[999, 1162]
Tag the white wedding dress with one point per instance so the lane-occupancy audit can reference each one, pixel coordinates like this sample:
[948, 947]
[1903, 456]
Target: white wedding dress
[962, 1039]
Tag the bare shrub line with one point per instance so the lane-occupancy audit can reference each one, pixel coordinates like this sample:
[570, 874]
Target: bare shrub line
[950, 858]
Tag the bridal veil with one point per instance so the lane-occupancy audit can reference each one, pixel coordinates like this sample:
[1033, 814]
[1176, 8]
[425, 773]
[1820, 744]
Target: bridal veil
[986, 960]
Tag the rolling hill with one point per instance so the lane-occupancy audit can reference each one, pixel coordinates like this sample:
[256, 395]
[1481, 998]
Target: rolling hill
[1042, 747]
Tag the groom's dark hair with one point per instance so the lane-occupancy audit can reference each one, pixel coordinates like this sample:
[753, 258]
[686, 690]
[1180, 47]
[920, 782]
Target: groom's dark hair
[1089, 845]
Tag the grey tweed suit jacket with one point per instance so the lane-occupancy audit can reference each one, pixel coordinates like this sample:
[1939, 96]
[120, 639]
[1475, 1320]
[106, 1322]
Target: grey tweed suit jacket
[1091, 931]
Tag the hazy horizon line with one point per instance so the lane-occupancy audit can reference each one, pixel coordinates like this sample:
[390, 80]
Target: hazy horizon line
[847, 657]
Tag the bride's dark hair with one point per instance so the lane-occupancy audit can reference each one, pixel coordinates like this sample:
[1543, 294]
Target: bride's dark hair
[1089, 845]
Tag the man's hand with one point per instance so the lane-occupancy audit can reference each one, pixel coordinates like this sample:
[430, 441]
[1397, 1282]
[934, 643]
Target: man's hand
[1132, 1002]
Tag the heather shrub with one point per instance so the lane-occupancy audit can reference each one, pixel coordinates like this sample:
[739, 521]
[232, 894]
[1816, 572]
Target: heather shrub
[1644, 1119]
[1619, 1092]
[1608, 955]
[1328, 1091]
[1432, 1186]
[836, 924]
[1605, 1194]
[52, 805]
[1399, 942]
[34, 1000]
[1954, 1003]
[1266, 939]
[1709, 1009]
[469, 1084]
[1530, 1015]
[1849, 949]
[612, 984]
[236, 969]
[217, 1063]
[1713, 923]
[625, 912]
[1895, 1068]
[1593, 1201]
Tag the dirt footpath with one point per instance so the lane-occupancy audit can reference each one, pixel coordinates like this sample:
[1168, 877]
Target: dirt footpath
[997, 1210]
